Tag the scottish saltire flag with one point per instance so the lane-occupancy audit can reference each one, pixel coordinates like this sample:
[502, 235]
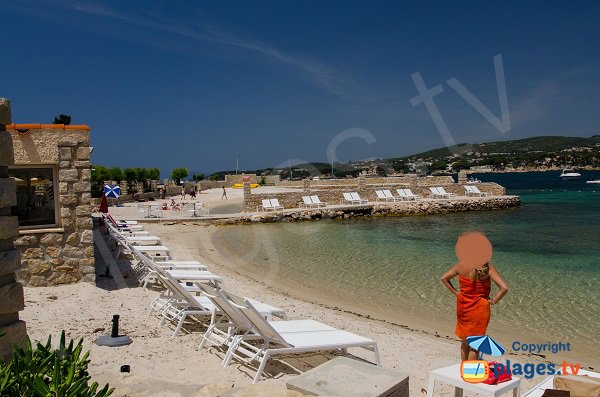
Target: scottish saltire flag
[112, 191]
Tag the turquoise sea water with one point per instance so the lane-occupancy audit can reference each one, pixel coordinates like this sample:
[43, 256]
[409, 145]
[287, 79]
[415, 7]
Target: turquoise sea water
[548, 251]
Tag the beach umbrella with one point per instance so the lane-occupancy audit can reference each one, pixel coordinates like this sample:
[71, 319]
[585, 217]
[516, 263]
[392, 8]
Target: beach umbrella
[485, 345]
[113, 191]
[103, 204]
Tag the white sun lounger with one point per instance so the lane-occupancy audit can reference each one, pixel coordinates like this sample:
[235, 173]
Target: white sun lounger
[380, 195]
[439, 192]
[357, 198]
[290, 337]
[353, 198]
[390, 197]
[442, 191]
[407, 194]
[181, 265]
[306, 202]
[269, 205]
[154, 250]
[317, 201]
[312, 202]
[182, 275]
[122, 223]
[143, 240]
[178, 303]
[474, 191]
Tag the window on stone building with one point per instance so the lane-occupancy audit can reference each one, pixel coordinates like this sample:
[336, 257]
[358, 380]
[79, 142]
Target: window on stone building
[36, 197]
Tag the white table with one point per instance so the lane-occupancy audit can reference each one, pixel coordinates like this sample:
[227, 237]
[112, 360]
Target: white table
[151, 207]
[451, 376]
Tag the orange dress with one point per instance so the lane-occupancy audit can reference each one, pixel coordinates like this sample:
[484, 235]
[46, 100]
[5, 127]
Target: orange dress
[472, 307]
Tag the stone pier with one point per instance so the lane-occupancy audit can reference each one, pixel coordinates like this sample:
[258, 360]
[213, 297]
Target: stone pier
[11, 292]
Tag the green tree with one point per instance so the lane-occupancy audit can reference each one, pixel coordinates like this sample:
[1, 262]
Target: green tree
[100, 174]
[437, 165]
[380, 171]
[154, 174]
[198, 177]
[141, 174]
[178, 174]
[116, 174]
[131, 175]
[62, 119]
[461, 165]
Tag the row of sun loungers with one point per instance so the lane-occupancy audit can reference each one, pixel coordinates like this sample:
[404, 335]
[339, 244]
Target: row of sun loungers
[248, 330]
[353, 198]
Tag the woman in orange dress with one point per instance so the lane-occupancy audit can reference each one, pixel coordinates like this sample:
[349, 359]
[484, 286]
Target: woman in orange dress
[475, 274]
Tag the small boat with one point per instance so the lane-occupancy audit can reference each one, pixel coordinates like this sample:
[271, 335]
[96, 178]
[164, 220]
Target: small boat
[594, 181]
[473, 180]
[569, 174]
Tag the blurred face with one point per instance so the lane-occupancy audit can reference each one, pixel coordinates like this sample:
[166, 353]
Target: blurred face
[473, 250]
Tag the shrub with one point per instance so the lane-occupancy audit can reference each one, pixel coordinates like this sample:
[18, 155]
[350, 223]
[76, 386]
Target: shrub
[46, 372]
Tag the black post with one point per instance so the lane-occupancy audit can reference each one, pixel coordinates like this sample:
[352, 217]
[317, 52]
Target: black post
[115, 326]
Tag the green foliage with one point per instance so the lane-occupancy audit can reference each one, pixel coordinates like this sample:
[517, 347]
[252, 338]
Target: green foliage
[141, 174]
[461, 165]
[153, 174]
[380, 171]
[62, 119]
[131, 175]
[437, 166]
[178, 174]
[116, 174]
[198, 177]
[45, 372]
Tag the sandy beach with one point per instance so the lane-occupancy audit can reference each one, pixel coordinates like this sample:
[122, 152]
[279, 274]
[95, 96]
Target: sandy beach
[166, 366]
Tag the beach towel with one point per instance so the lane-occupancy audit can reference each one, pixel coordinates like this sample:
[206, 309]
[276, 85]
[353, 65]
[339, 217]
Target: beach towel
[472, 307]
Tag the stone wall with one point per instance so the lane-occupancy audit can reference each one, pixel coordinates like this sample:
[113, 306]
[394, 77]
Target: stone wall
[392, 180]
[64, 254]
[333, 194]
[232, 179]
[205, 185]
[11, 292]
[403, 208]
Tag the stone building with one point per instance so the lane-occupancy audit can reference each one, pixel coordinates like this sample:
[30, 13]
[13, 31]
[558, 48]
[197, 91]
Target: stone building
[12, 328]
[52, 171]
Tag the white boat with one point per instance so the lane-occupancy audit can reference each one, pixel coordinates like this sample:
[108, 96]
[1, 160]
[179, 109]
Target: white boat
[569, 174]
[473, 180]
[594, 181]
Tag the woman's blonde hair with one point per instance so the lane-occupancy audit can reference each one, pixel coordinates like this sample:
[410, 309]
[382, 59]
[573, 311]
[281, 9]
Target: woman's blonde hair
[481, 272]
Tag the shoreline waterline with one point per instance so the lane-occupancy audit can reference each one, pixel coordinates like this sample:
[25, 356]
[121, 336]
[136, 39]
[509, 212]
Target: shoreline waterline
[421, 320]
[212, 248]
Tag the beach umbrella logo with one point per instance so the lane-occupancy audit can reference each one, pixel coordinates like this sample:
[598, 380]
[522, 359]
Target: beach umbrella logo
[112, 191]
[485, 345]
[477, 371]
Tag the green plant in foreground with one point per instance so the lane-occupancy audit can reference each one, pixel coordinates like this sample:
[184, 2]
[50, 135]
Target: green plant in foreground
[49, 373]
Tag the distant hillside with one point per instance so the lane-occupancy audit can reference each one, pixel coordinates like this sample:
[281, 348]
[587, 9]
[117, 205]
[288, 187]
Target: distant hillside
[540, 152]
[546, 144]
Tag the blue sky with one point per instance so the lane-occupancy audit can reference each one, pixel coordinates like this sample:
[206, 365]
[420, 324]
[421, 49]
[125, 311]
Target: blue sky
[193, 84]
